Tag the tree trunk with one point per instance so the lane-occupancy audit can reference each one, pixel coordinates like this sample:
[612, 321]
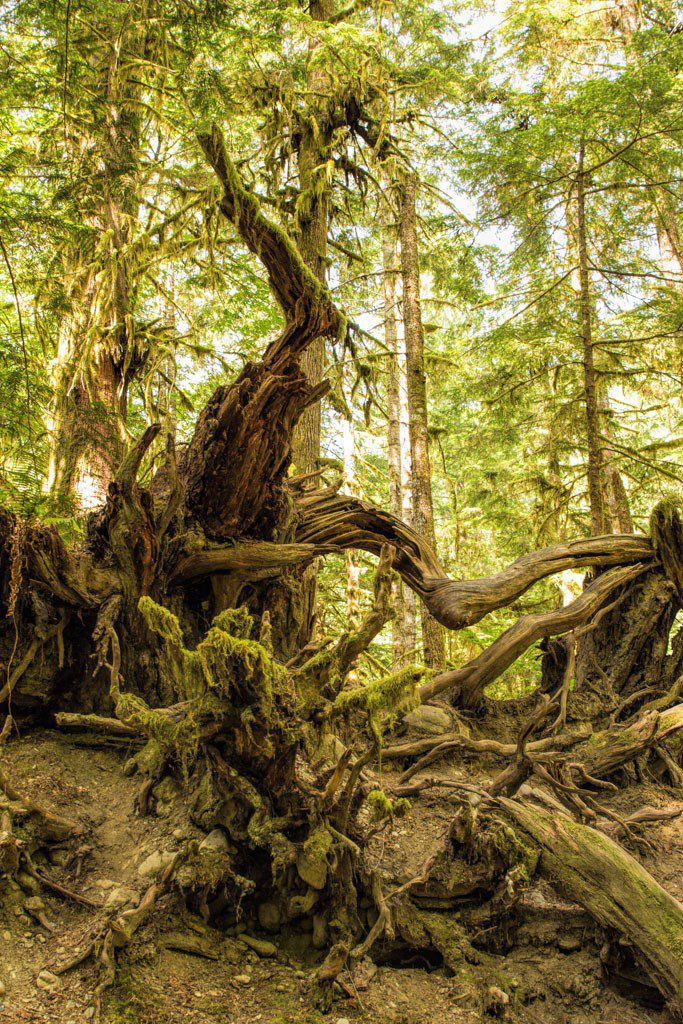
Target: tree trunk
[423, 509]
[313, 223]
[353, 597]
[596, 489]
[95, 356]
[398, 442]
[312, 218]
[617, 504]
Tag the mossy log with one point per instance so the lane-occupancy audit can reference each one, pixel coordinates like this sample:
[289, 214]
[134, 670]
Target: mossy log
[591, 869]
[610, 749]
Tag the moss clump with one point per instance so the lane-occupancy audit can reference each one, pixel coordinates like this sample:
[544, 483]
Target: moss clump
[161, 621]
[226, 660]
[313, 858]
[516, 854]
[383, 806]
[383, 699]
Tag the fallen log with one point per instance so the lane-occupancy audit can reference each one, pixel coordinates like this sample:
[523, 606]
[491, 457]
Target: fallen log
[591, 869]
[609, 749]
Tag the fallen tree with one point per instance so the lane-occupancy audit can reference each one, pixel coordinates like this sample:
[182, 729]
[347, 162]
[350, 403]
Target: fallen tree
[181, 616]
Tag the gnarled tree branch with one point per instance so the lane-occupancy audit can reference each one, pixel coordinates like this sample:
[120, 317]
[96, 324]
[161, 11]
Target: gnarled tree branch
[330, 518]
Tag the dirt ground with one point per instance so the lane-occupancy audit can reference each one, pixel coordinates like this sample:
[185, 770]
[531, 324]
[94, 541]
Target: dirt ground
[549, 979]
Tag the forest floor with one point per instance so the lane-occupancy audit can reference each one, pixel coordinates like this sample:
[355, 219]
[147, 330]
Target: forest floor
[553, 973]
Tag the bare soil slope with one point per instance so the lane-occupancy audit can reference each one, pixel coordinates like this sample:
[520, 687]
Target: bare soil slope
[178, 970]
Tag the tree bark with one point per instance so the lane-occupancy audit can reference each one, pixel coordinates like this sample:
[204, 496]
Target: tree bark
[596, 488]
[96, 356]
[423, 509]
[400, 502]
[591, 869]
[313, 223]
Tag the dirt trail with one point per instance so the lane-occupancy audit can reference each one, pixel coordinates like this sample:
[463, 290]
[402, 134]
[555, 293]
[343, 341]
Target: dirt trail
[553, 974]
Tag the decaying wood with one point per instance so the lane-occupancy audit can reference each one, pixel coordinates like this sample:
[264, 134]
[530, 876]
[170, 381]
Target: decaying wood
[248, 426]
[253, 560]
[343, 521]
[470, 680]
[72, 722]
[591, 869]
[609, 749]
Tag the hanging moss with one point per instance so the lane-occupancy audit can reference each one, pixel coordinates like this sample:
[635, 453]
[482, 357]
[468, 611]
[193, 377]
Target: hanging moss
[161, 621]
[226, 660]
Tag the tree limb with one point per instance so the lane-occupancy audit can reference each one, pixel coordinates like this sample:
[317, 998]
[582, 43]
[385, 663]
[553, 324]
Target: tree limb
[346, 522]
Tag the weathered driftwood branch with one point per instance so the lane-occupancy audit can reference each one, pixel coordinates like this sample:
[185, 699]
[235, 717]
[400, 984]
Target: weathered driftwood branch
[470, 680]
[591, 869]
[250, 560]
[346, 522]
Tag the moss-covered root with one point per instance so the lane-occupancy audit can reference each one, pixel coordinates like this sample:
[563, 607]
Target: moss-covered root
[591, 869]
[323, 984]
[383, 699]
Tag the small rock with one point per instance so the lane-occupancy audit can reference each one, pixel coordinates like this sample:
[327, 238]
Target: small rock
[48, 981]
[568, 943]
[60, 858]
[263, 947]
[155, 863]
[178, 833]
[342, 1020]
[119, 896]
[498, 1002]
[89, 1013]
[215, 842]
[427, 718]
[243, 979]
[269, 916]
[7, 936]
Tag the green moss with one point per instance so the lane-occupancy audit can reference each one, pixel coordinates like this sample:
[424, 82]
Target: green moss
[161, 621]
[514, 852]
[382, 699]
[383, 806]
